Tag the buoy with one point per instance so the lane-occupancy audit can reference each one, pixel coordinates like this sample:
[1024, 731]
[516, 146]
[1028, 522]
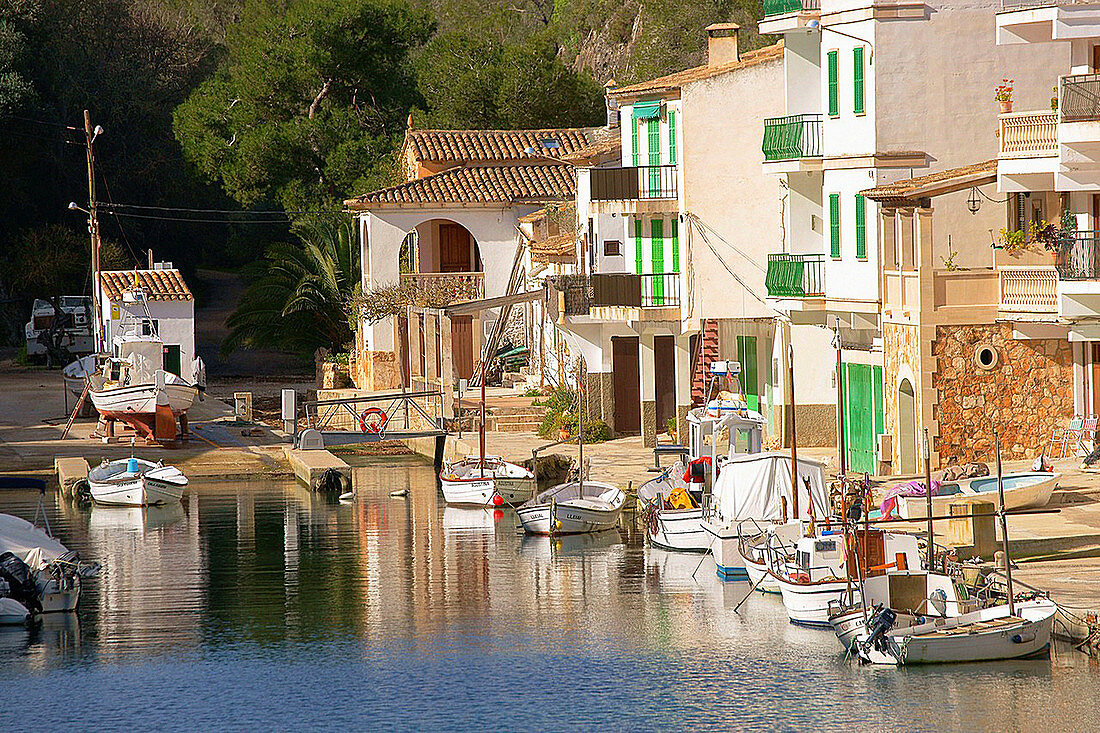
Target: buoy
[498, 514]
[347, 496]
[497, 499]
[399, 493]
[557, 524]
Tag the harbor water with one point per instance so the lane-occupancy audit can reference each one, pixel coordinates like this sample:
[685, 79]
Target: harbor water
[259, 605]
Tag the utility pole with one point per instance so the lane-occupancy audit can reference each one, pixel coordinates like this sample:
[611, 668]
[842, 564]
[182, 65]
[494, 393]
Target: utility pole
[90, 135]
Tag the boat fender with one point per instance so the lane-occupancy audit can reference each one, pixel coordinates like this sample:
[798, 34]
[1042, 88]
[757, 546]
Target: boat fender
[497, 499]
[1023, 638]
[800, 577]
[82, 491]
[333, 482]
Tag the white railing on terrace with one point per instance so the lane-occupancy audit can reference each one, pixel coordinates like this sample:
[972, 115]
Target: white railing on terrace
[1028, 289]
[1028, 134]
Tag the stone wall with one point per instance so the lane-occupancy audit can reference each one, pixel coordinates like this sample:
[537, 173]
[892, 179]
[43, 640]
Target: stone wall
[1025, 395]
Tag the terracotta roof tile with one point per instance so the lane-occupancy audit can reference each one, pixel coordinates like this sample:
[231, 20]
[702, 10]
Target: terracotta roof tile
[473, 146]
[478, 185]
[555, 249]
[933, 184]
[157, 284]
[699, 73]
[607, 146]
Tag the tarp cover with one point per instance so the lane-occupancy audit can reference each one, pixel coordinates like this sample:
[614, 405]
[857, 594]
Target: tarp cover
[752, 487]
[646, 110]
[29, 543]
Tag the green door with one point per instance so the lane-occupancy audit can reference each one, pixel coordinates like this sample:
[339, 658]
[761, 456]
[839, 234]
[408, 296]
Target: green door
[654, 157]
[172, 359]
[863, 414]
[657, 252]
[750, 382]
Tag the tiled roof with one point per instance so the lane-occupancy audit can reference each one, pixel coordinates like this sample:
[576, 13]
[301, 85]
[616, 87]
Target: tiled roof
[478, 185]
[157, 284]
[555, 249]
[699, 73]
[607, 146]
[934, 184]
[473, 146]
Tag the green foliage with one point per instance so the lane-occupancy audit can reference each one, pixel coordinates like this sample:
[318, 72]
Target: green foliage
[472, 80]
[670, 426]
[52, 260]
[310, 103]
[300, 300]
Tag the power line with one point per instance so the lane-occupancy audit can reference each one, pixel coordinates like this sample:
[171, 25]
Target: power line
[267, 222]
[245, 212]
[37, 122]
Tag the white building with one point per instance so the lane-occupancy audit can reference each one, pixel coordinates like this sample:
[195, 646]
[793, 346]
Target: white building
[154, 301]
[875, 92]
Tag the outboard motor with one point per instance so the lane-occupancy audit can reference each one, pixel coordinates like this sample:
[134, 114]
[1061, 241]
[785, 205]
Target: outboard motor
[21, 584]
[881, 621]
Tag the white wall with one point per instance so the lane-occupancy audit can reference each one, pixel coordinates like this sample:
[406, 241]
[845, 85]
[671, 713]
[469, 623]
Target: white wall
[175, 324]
[803, 217]
[849, 278]
[725, 186]
[802, 71]
[851, 133]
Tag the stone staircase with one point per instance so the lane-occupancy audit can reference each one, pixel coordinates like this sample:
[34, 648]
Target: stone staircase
[506, 419]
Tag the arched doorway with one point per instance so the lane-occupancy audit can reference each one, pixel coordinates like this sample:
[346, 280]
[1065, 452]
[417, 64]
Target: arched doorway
[446, 246]
[907, 427]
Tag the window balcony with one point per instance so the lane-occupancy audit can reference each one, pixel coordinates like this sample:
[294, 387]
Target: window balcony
[1079, 258]
[784, 7]
[783, 16]
[1080, 98]
[610, 292]
[795, 275]
[635, 183]
[1025, 289]
[1028, 134]
[793, 138]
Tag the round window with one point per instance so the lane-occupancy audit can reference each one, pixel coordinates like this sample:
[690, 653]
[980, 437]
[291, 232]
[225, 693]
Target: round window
[986, 357]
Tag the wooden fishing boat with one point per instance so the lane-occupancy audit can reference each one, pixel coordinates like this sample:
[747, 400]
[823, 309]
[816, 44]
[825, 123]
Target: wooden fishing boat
[485, 481]
[575, 507]
[135, 482]
[1022, 490]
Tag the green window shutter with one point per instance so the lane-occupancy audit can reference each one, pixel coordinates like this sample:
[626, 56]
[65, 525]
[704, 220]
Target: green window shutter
[654, 134]
[638, 245]
[657, 252]
[861, 227]
[750, 382]
[834, 72]
[634, 141]
[834, 224]
[857, 78]
[674, 234]
[671, 137]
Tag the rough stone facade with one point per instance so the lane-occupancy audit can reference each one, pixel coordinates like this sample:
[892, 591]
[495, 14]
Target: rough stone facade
[649, 423]
[600, 398]
[1024, 396]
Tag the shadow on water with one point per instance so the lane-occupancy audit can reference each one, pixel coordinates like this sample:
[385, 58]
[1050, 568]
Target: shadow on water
[258, 600]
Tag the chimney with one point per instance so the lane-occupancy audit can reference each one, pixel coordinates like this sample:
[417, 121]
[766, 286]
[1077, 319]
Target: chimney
[611, 104]
[722, 44]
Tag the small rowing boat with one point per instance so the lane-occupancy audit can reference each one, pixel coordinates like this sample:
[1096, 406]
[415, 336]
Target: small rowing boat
[135, 482]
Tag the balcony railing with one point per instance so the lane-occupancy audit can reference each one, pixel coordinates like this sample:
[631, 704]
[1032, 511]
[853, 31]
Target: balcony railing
[792, 137]
[1027, 134]
[1029, 4]
[1028, 289]
[1079, 257]
[661, 290]
[1080, 97]
[795, 276]
[782, 7]
[633, 183]
[453, 285]
[577, 292]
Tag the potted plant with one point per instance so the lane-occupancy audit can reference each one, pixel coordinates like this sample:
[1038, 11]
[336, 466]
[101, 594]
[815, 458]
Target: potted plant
[1003, 94]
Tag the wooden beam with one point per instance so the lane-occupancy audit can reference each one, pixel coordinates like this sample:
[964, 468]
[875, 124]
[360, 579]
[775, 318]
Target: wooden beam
[477, 306]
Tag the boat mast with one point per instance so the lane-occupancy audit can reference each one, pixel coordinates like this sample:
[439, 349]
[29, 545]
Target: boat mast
[582, 370]
[841, 441]
[90, 135]
[481, 428]
[794, 438]
[1004, 523]
[928, 497]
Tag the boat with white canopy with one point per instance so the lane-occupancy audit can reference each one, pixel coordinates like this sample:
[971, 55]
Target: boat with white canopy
[54, 572]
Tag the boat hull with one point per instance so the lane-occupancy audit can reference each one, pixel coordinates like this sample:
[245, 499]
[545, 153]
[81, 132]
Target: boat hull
[807, 604]
[1028, 496]
[481, 492]
[723, 542]
[567, 518]
[142, 491]
[12, 612]
[1029, 637]
[141, 400]
[678, 529]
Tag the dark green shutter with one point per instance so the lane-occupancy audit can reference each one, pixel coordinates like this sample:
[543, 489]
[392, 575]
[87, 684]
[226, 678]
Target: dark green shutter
[638, 244]
[857, 78]
[657, 251]
[674, 233]
[634, 141]
[746, 356]
[834, 224]
[834, 72]
[863, 414]
[861, 227]
[671, 137]
[654, 157]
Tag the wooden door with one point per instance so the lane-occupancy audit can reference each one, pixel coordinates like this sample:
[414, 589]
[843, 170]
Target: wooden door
[406, 347]
[664, 379]
[454, 248]
[1094, 379]
[462, 346]
[1095, 60]
[863, 414]
[627, 391]
[172, 361]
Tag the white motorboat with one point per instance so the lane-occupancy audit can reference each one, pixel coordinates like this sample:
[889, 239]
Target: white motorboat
[12, 612]
[987, 634]
[135, 482]
[758, 549]
[758, 487]
[491, 481]
[816, 571]
[55, 571]
[576, 507]
[75, 337]
[1022, 490]
[915, 596]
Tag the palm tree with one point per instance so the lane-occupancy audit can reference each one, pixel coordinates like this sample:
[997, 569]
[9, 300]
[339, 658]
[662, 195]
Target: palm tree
[300, 301]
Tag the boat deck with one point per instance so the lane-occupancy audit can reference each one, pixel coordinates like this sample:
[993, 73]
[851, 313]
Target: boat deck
[973, 628]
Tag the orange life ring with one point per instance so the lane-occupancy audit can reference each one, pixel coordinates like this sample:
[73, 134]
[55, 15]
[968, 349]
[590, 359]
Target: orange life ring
[373, 420]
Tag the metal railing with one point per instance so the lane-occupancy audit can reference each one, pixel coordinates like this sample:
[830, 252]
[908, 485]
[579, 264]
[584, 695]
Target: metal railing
[782, 7]
[635, 182]
[1028, 289]
[459, 285]
[1031, 4]
[1079, 97]
[1079, 257]
[795, 276]
[660, 290]
[792, 137]
[1026, 134]
[371, 418]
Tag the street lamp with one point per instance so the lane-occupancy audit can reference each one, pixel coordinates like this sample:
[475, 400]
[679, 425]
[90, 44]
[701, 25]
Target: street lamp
[816, 25]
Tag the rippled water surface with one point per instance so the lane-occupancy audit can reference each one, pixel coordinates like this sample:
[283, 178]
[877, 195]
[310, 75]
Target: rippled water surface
[261, 606]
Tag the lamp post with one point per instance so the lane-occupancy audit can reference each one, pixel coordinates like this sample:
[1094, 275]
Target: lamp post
[90, 135]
